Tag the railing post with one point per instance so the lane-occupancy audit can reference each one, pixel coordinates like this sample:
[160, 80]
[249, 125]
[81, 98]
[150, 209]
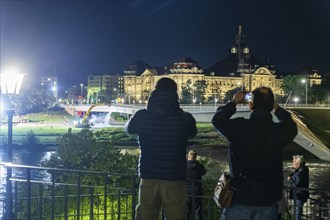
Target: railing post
[105, 196]
[53, 194]
[40, 201]
[78, 195]
[15, 199]
[28, 186]
[133, 196]
[119, 205]
[66, 202]
[91, 203]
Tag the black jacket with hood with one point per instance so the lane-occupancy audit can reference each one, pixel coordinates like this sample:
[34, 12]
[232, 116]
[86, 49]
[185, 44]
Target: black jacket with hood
[256, 152]
[163, 130]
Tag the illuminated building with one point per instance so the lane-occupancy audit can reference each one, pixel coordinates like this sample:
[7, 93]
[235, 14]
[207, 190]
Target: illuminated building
[239, 69]
[113, 84]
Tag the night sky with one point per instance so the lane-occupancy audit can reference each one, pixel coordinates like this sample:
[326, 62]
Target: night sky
[72, 39]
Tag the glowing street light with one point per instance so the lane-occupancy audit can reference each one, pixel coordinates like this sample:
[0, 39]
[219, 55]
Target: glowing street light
[215, 103]
[10, 85]
[194, 100]
[306, 83]
[295, 99]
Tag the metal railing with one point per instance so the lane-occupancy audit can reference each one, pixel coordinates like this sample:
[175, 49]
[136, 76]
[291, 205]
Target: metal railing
[48, 193]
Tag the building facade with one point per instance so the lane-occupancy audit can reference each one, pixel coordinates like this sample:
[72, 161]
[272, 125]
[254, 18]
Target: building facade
[111, 85]
[239, 70]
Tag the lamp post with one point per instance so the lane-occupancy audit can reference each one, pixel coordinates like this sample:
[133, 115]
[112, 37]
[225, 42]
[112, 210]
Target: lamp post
[306, 83]
[81, 92]
[215, 103]
[10, 84]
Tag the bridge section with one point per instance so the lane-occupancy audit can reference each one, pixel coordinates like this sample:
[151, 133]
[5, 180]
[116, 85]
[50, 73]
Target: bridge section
[305, 137]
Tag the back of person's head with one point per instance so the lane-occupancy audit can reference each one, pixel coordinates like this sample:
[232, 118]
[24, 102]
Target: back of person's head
[262, 98]
[166, 84]
[192, 155]
[163, 101]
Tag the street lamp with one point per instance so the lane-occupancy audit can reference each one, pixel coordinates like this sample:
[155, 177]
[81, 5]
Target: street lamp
[239, 85]
[306, 83]
[194, 100]
[215, 103]
[10, 84]
[81, 92]
[295, 99]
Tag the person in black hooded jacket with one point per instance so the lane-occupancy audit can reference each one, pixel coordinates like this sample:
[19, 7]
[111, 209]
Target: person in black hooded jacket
[163, 129]
[255, 154]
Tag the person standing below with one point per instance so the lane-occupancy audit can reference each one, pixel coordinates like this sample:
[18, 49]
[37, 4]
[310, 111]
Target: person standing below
[195, 172]
[163, 129]
[299, 183]
[255, 154]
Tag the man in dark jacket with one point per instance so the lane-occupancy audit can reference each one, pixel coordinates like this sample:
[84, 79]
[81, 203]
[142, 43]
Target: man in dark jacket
[255, 154]
[195, 172]
[299, 183]
[163, 130]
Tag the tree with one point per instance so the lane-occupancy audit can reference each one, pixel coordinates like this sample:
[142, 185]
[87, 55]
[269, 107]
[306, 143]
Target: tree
[199, 87]
[35, 99]
[292, 84]
[322, 92]
[89, 151]
[230, 94]
[186, 93]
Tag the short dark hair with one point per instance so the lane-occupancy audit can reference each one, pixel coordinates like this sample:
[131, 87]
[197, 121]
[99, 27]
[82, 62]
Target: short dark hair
[263, 98]
[166, 84]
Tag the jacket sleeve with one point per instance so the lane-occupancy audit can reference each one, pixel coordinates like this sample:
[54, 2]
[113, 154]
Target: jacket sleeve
[221, 120]
[191, 126]
[132, 126]
[289, 127]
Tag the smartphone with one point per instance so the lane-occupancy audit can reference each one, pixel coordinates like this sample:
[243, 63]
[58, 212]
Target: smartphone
[248, 96]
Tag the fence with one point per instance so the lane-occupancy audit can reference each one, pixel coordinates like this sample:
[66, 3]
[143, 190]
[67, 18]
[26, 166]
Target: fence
[48, 193]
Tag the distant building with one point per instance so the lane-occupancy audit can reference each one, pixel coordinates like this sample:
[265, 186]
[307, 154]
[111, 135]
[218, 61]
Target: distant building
[239, 69]
[111, 84]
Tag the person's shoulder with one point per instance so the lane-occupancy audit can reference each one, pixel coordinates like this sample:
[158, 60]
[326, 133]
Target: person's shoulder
[184, 113]
[140, 113]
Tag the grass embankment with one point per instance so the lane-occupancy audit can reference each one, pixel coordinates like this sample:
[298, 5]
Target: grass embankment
[48, 127]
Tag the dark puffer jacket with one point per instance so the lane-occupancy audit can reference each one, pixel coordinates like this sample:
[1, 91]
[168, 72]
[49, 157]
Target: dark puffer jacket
[163, 130]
